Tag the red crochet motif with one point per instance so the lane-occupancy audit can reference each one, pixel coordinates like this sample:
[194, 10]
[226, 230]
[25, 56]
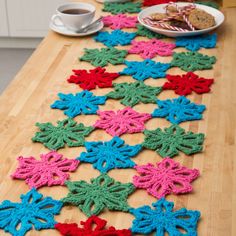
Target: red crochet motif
[90, 79]
[155, 2]
[89, 229]
[185, 84]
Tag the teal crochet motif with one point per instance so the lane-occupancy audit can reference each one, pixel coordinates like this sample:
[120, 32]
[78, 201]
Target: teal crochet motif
[163, 219]
[110, 155]
[80, 103]
[33, 211]
[178, 110]
[115, 38]
[141, 70]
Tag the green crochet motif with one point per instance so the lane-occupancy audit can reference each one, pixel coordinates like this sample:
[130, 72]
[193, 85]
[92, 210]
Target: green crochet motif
[191, 61]
[103, 192]
[209, 4]
[66, 132]
[117, 8]
[133, 93]
[143, 31]
[170, 141]
[104, 56]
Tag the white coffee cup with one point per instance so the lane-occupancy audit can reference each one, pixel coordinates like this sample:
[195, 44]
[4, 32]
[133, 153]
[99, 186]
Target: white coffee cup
[74, 16]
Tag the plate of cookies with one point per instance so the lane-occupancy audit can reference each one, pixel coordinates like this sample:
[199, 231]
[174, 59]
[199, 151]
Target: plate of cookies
[181, 19]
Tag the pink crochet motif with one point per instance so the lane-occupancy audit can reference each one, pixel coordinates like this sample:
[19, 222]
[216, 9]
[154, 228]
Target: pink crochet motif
[50, 170]
[122, 121]
[151, 48]
[120, 21]
[167, 177]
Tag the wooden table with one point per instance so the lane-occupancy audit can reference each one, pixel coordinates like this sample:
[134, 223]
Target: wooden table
[27, 101]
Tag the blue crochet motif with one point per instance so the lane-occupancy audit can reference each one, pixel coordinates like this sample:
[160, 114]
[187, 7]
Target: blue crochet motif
[33, 211]
[115, 38]
[197, 42]
[80, 103]
[178, 110]
[109, 155]
[162, 219]
[145, 69]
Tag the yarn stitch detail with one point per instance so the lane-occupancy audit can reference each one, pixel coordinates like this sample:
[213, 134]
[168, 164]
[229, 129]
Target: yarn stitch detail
[122, 121]
[17, 218]
[66, 132]
[81, 103]
[117, 8]
[106, 156]
[141, 70]
[178, 110]
[103, 192]
[209, 4]
[165, 178]
[163, 219]
[169, 141]
[143, 31]
[156, 2]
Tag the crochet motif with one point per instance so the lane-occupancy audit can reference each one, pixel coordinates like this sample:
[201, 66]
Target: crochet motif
[163, 219]
[134, 93]
[80, 103]
[197, 42]
[115, 38]
[66, 132]
[123, 121]
[166, 177]
[210, 4]
[170, 141]
[185, 84]
[50, 170]
[141, 70]
[191, 61]
[101, 57]
[109, 155]
[156, 2]
[178, 110]
[128, 7]
[143, 31]
[103, 192]
[88, 229]
[120, 21]
[91, 79]
[151, 48]
[17, 218]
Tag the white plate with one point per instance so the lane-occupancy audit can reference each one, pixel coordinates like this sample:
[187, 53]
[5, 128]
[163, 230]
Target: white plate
[219, 18]
[119, 1]
[63, 30]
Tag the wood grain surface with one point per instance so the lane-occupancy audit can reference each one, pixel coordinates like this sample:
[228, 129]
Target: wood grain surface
[28, 98]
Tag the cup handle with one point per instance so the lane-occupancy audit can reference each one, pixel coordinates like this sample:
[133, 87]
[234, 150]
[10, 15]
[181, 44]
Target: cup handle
[54, 18]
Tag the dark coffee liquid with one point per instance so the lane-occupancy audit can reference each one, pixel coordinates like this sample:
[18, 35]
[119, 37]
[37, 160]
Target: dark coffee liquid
[75, 11]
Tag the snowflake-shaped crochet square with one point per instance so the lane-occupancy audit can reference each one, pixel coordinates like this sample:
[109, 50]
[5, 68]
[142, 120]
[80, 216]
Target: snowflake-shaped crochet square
[156, 2]
[80, 103]
[196, 42]
[165, 178]
[191, 61]
[93, 226]
[120, 21]
[163, 219]
[209, 4]
[117, 8]
[171, 140]
[103, 192]
[109, 155]
[143, 31]
[141, 70]
[185, 84]
[17, 218]
[101, 57]
[134, 93]
[50, 170]
[115, 38]
[151, 48]
[66, 132]
[122, 121]
[93, 78]
[178, 110]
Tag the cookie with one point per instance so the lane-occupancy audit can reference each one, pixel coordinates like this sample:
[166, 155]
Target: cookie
[180, 24]
[158, 16]
[171, 11]
[201, 19]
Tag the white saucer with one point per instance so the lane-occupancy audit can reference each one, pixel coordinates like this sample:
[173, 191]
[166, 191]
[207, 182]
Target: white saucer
[64, 31]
